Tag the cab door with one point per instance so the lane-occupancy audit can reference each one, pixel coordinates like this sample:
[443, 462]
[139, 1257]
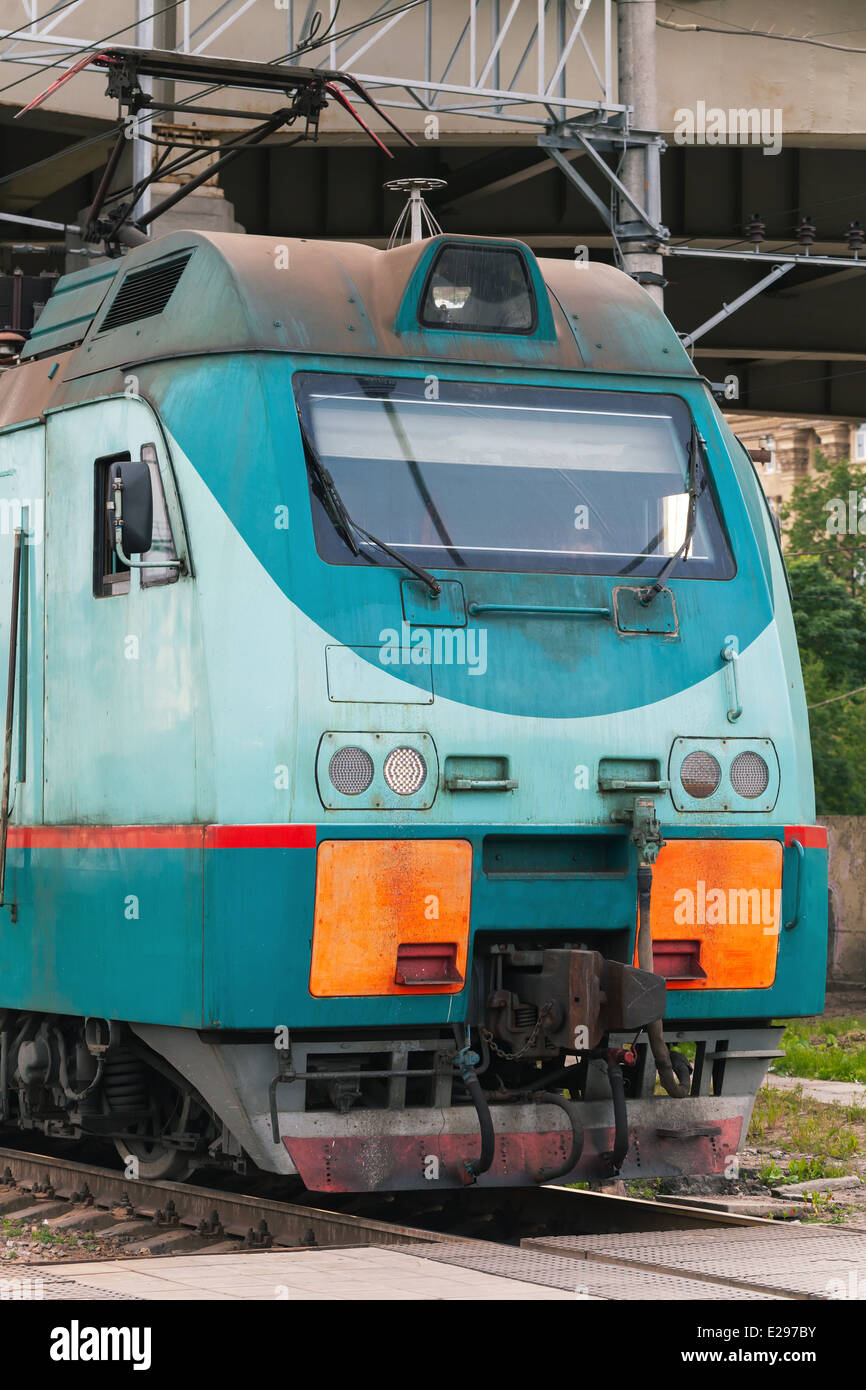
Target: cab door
[118, 865]
[120, 644]
[22, 507]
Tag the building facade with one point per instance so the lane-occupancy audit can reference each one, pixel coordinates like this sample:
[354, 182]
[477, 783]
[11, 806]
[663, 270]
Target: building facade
[784, 447]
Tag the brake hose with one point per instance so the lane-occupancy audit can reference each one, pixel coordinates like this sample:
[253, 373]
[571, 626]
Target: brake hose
[620, 1116]
[464, 1062]
[654, 1031]
[573, 1113]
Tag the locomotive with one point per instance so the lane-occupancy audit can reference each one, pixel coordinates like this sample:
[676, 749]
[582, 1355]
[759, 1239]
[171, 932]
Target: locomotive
[407, 768]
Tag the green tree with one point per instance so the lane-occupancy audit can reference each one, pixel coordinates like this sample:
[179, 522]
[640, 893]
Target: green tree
[821, 511]
[838, 732]
[831, 635]
[830, 622]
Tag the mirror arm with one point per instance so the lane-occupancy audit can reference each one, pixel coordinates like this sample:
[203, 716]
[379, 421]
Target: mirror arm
[118, 543]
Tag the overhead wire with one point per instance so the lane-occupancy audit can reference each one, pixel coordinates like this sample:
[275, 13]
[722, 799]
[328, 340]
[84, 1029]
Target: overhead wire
[741, 33]
[93, 47]
[12, 33]
[833, 698]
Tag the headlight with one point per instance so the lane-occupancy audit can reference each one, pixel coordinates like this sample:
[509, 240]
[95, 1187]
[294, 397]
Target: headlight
[351, 771]
[749, 775]
[405, 771]
[700, 774]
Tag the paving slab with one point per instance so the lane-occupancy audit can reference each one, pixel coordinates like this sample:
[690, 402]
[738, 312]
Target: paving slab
[38, 1283]
[770, 1207]
[732, 1263]
[791, 1261]
[360, 1273]
[828, 1092]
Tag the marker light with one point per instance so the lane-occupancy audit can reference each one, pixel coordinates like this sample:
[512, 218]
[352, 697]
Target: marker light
[700, 774]
[405, 771]
[351, 770]
[749, 775]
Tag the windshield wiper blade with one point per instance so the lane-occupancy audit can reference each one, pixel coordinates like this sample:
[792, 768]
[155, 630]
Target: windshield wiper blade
[333, 501]
[696, 486]
[351, 528]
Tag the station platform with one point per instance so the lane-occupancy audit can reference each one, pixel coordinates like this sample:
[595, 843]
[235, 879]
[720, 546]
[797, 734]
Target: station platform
[349, 1274]
[759, 1261]
[770, 1261]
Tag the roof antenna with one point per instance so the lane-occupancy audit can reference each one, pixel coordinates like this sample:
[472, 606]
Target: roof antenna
[416, 221]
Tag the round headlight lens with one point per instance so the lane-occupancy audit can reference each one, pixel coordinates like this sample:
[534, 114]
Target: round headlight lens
[405, 771]
[351, 771]
[700, 774]
[750, 775]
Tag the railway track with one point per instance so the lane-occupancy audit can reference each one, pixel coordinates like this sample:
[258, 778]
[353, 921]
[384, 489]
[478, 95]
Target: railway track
[600, 1245]
[143, 1217]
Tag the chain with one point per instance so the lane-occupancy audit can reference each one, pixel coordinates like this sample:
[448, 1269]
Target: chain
[530, 1041]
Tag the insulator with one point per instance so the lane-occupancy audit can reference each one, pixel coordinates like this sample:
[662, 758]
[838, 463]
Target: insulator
[756, 229]
[805, 231]
[855, 236]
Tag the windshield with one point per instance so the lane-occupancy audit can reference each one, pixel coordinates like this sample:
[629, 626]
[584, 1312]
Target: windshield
[466, 475]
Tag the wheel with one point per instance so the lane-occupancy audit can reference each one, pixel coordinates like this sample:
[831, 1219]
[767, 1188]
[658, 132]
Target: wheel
[147, 1157]
[156, 1162]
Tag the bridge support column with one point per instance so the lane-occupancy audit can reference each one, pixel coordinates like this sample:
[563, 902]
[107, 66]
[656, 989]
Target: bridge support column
[641, 171]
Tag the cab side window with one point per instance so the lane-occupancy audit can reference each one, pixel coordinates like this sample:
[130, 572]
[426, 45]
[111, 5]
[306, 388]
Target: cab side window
[163, 547]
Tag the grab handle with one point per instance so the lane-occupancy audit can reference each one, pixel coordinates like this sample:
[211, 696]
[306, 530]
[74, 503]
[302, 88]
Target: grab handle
[10, 711]
[801, 855]
[542, 609]
[731, 655]
[481, 784]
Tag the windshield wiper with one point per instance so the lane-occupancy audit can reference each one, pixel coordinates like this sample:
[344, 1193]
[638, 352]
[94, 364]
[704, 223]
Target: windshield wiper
[696, 486]
[350, 528]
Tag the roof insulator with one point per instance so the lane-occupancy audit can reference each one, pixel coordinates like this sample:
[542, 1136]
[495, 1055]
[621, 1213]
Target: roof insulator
[756, 229]
[805, 231]
[855, 236]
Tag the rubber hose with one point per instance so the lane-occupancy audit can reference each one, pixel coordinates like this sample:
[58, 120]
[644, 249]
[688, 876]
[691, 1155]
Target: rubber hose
[654, 1032]
[571, 1110]
[64, 1073]
[488, 1135]
[620, 1115]
[681, 1067]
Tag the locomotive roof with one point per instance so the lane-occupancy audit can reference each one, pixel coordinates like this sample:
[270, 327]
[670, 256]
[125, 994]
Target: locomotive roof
[195, 292]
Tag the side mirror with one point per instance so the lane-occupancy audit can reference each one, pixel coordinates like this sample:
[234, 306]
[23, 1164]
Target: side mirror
[131, 501]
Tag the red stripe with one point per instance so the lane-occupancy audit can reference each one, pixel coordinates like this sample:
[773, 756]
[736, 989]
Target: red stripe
[162, 836]
[810, 836]
[107, 836]
[260, 837]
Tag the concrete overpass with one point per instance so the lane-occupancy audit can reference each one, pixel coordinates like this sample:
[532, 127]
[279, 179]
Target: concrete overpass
[478, 82]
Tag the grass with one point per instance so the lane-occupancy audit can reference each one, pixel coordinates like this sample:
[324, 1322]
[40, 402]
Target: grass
[826, 1049]
[792, 1122]
[16, 1230]
[798, 1170]
[647, 1188]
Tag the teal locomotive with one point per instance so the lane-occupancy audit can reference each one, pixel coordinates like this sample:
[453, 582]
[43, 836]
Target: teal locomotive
[407, 756]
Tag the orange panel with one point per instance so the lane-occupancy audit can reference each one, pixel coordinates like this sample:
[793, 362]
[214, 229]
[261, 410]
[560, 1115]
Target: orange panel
[726, 896]
[374, 896]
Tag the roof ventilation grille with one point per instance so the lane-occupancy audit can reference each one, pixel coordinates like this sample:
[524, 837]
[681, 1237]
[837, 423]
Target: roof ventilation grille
[144, 292]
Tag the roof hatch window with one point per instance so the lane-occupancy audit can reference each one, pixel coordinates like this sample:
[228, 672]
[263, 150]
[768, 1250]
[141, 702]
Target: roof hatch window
[473, 288]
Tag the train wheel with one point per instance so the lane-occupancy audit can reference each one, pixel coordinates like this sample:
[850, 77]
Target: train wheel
[153, 1162]
[148, 1157]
